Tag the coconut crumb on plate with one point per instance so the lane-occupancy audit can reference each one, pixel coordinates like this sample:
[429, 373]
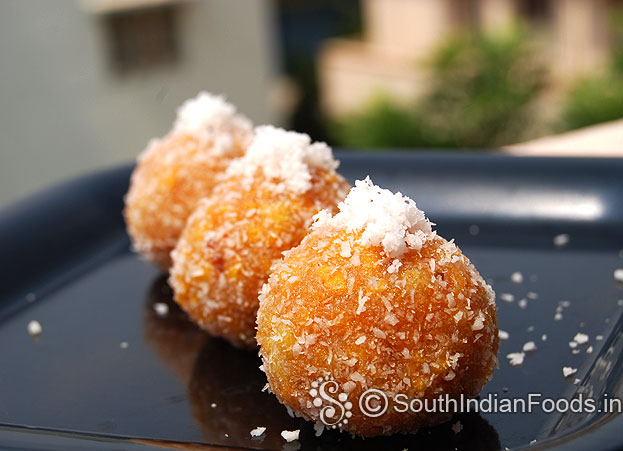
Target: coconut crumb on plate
[258, 431]
[580, 338]
[516, 358]
[506, 297]
[34, 328]
[618, 275]
[529, 346]
[161, 309]
[517, 277]
[561, 240]
[503, 335]
[290, 436]
[568, 371]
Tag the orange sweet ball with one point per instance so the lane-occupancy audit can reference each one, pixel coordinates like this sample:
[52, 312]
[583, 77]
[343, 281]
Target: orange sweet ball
[372, 298]
[263, 206]
[174, 172]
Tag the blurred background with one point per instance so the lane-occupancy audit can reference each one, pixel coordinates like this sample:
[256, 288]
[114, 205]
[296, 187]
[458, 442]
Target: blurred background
[86, 83]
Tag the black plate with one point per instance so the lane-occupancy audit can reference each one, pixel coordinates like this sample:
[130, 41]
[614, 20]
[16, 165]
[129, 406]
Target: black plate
[66, 263]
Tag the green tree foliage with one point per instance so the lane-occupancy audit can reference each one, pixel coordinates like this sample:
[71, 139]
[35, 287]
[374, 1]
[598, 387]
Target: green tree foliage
[598, 98]
[481, 95]
[381, 123]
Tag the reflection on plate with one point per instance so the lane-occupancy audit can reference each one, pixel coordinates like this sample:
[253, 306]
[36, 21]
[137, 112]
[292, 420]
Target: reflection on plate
[226, 398]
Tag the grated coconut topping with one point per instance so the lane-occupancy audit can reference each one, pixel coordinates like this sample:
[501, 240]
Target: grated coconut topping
[207, 112]
[390, 220]
[285, 158]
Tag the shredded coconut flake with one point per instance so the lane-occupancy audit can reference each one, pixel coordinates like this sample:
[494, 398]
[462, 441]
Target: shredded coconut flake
[516, 358]
[503, 335]
[396, 264]
[568, 371]
[561, 240]
[284, 158]
[507, 297]
[362, 302]
[161, 309]
[517, 277]
[386, 219]
[479, 322]
[290, 436]
[529, 346]
[618, 275]
[580, 338]
[258, 431]
[378, 333]
[34, 328]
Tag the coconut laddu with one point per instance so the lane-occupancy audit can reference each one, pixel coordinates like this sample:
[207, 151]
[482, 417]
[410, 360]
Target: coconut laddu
[174, 172]
[262, 207]
[373, 298]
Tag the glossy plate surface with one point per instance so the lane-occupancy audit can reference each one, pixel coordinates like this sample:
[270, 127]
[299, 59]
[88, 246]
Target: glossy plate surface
[66, 263]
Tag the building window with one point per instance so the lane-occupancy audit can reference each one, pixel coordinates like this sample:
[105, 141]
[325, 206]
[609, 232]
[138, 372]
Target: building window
[142, 38]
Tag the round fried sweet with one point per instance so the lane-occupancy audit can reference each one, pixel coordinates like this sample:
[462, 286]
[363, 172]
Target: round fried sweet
[263, 207]
[174, 172]
[372, 298]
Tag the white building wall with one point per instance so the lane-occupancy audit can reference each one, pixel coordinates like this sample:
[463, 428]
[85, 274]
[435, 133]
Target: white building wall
[64, 111]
